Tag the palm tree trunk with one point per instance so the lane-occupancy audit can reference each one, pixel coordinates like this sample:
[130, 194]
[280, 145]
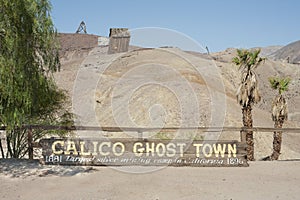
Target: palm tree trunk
[247, 136]
[277, 140]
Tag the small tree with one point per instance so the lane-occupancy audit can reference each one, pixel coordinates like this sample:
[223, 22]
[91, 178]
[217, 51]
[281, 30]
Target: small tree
[28, 57]
[279, 112]
[247, 93]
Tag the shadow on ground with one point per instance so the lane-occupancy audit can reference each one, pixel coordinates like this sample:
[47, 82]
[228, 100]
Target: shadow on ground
[21, 168]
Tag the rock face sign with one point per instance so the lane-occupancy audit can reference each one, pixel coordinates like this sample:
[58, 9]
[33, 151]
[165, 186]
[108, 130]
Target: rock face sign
[143, 152]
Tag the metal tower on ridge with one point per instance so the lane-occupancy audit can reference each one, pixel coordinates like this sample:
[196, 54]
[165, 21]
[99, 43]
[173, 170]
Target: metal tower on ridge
[81, 28]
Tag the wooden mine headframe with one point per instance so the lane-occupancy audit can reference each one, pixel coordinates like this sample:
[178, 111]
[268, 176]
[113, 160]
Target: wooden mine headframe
[119, 39]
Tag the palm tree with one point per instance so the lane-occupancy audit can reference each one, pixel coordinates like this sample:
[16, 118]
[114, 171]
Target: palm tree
[279, 112]
[247, 93]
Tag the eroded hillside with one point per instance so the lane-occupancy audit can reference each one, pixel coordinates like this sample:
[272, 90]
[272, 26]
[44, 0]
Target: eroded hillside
[168, 87]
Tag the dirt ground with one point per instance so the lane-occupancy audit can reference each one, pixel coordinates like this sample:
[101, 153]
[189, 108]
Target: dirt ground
[262, 180]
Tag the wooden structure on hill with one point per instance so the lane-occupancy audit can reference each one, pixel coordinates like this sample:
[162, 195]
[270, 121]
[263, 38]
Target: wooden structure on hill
[81, 28]
[119, 39]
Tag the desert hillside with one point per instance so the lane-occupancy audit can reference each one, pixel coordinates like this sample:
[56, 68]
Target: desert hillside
[289, 53]
[167, 87]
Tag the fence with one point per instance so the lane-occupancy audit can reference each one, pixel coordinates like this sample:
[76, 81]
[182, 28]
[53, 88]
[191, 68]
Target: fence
[141, 130]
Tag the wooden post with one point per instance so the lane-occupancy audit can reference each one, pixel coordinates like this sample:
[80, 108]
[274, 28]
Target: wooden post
[243, 136]
[140, 134]
[30, 147]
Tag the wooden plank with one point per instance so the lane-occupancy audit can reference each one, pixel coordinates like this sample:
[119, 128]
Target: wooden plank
[165, 129]
[144, 152]
[130, 160]
[188, 146]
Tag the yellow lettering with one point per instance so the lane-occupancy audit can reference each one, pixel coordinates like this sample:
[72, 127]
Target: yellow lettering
[232, 150]
[71, 147]
[198, 149]
[160, 149]
[181, 148]
[171, 150]
[205, 152]
[82, 150]
[121, 145]
[54, 147]
[219, 150]
[95, 148]
[108, 144]
[138, 152]
[150, 149]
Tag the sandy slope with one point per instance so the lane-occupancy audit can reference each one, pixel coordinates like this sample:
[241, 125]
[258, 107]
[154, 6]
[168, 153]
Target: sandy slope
[169, 87]
[262, 180]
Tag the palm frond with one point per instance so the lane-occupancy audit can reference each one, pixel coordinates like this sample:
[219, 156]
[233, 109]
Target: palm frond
[280, 84]
[247, 60]
[279, 108]
[274, 83]
[248, 93]
[284, 84]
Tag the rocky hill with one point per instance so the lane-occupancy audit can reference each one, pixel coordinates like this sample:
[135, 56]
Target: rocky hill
[289, 53]
[168, 87]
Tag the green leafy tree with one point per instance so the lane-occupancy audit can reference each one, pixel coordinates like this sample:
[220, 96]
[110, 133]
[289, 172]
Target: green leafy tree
[28, 57]
[279, 112]
[247, 93]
